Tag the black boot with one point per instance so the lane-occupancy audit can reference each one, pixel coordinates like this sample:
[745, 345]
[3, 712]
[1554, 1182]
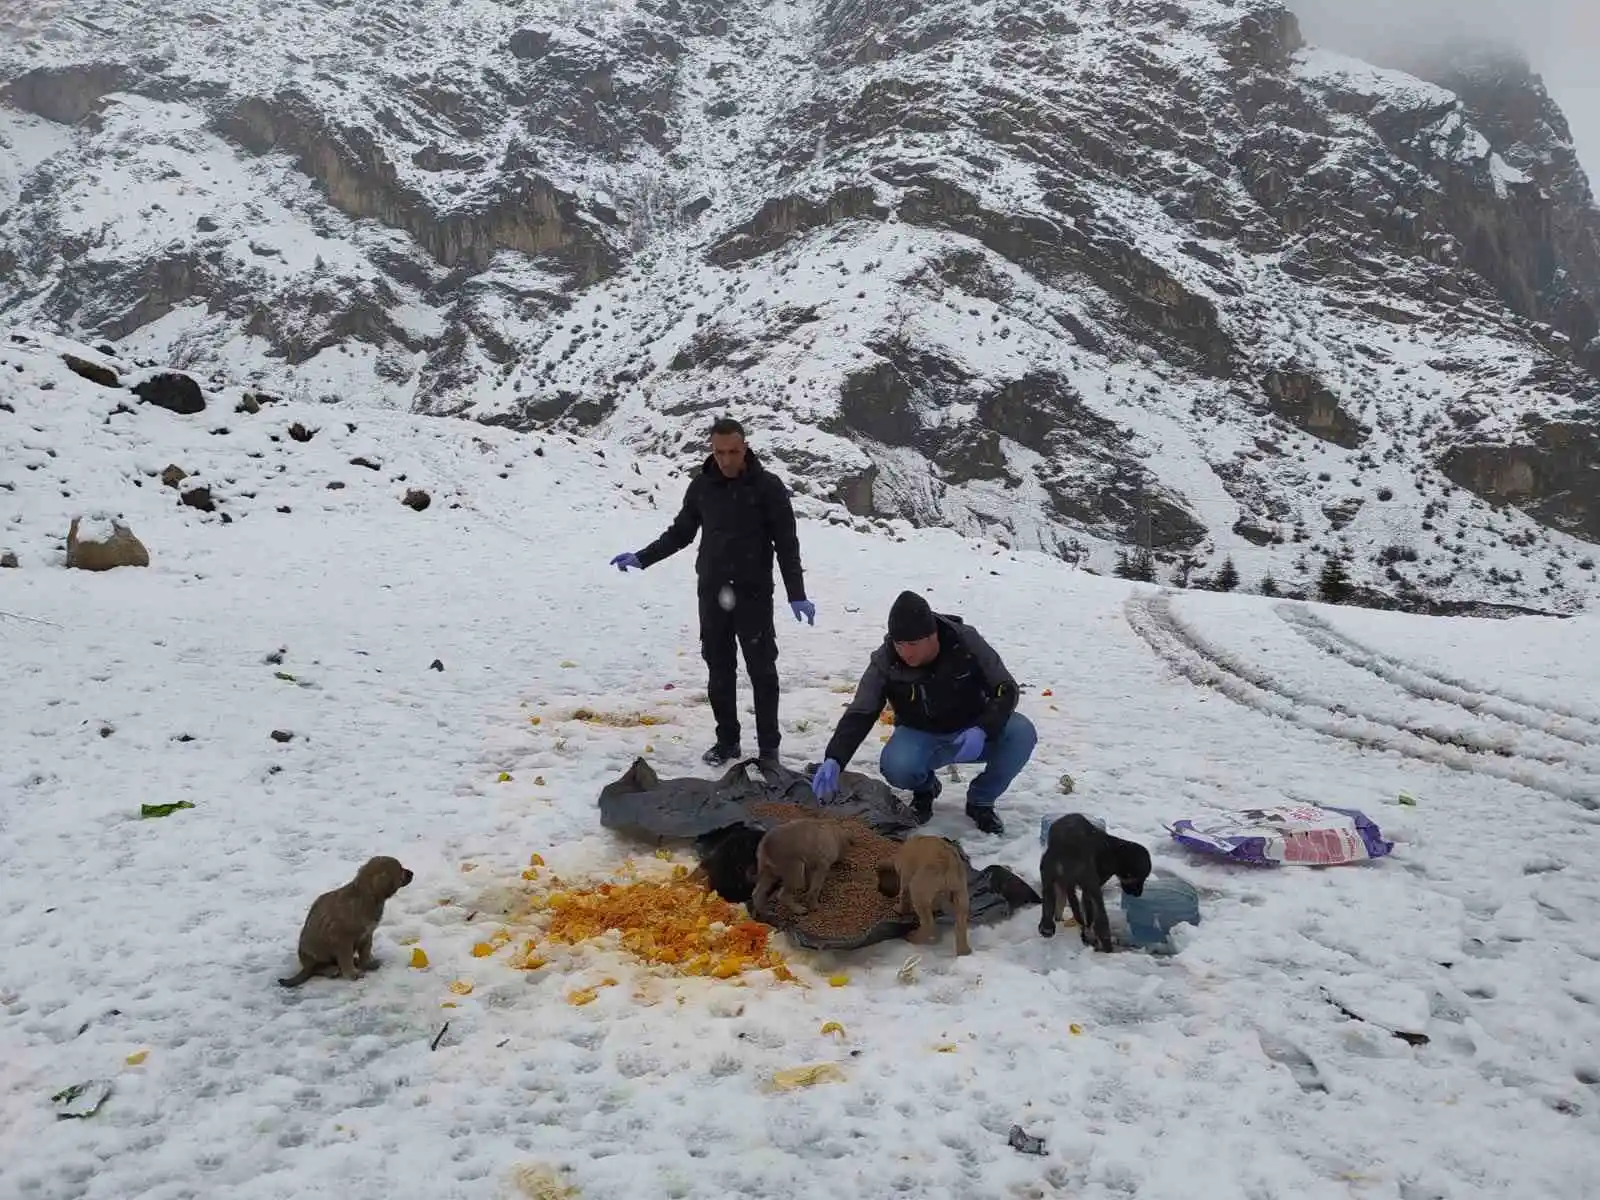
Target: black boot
[922, 802]
[985, 819]
[720, 755]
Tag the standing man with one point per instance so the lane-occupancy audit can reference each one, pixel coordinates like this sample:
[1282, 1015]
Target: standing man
[744, 519]
[953, 701]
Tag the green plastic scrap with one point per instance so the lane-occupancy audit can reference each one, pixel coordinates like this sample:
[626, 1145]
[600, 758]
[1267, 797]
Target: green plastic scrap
[162, 810]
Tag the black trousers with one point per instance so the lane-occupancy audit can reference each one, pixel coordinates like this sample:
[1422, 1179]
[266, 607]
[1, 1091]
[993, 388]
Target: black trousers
[723, 632]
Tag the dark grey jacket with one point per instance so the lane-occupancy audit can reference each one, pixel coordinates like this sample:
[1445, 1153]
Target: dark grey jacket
[744, 523]
[966, 685]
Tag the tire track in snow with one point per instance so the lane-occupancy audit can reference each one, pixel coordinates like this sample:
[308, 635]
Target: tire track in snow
[1475, 742]
[1539, 716]
[1152, 619]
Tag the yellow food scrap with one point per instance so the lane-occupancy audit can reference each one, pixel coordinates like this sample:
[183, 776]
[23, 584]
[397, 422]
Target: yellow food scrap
[461, 987]
[581, 997]
[838, 980]
[663, 854]
[535, 720]
[1074, 1030]
[503, 777]
[536, 860]
[833, 1027]
[482, 950]
[567, 664]
[799, 1077]
[527, 958]
[945, 1048]
[538, 1182]
[137, 1057]
[419, 957]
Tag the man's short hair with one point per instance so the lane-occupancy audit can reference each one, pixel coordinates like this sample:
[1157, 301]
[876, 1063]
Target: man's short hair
[723, 426]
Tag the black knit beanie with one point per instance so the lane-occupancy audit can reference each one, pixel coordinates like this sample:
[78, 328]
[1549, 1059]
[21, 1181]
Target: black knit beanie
[910, 620]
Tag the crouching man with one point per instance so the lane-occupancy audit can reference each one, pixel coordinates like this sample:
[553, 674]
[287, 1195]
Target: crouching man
[953, 701]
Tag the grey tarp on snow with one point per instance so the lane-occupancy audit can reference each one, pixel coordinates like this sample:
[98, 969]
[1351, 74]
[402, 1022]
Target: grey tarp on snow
[641, 804]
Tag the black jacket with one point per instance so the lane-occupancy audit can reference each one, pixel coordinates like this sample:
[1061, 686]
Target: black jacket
[743, 522]
[966, 685]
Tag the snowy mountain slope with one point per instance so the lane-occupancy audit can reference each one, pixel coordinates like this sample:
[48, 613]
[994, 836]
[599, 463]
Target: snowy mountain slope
[144, 951]
[1071, 275]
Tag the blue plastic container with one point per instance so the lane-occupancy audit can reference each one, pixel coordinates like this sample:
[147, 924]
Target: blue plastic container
[1165, 901]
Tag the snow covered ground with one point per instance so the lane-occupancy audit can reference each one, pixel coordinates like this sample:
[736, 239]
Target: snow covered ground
[1228, 1070]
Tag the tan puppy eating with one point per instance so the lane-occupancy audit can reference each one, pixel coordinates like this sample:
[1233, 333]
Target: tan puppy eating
[926, 872]
[798, 856]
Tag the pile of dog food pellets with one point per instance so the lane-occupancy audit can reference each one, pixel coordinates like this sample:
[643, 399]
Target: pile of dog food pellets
[851, 903]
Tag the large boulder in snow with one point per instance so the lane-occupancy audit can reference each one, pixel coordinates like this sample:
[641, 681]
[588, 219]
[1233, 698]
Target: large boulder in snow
[103, 544]
[173, 391]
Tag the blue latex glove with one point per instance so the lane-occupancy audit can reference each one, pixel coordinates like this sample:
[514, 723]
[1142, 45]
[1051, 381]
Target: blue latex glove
[804, 609]
[969, 744]
[623, 561]
[825, 783]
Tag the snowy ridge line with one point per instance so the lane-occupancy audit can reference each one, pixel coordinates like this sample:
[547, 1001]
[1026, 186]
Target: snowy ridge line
[1479, 741]
[1151, 619]
[1431, 685]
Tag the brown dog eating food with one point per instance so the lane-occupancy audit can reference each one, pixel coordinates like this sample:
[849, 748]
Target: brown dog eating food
[798, 855]
[337, 936]
[926, 872]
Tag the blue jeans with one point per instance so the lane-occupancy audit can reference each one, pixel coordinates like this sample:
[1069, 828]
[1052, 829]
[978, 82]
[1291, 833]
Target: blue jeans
[911, 757]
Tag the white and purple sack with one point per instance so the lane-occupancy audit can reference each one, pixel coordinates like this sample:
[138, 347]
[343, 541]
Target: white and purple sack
[1304, 834]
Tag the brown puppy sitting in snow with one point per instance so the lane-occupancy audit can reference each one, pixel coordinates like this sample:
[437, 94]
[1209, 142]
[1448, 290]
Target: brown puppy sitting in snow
[337, 936]
[798, 855]
[926, 872]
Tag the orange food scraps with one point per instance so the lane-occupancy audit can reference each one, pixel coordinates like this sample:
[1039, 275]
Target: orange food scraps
[675, 923]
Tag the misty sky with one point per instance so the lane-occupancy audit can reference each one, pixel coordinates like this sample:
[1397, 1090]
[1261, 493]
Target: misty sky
[1560, 37]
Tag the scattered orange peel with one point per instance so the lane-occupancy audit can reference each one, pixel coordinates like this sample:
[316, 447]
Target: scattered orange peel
[419, 957]
[674, 922]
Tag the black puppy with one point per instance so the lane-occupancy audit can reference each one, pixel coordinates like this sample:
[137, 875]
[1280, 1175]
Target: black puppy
[1080, 857]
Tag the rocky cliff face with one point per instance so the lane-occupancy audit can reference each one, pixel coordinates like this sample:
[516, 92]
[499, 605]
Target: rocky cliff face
[1063, 273]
